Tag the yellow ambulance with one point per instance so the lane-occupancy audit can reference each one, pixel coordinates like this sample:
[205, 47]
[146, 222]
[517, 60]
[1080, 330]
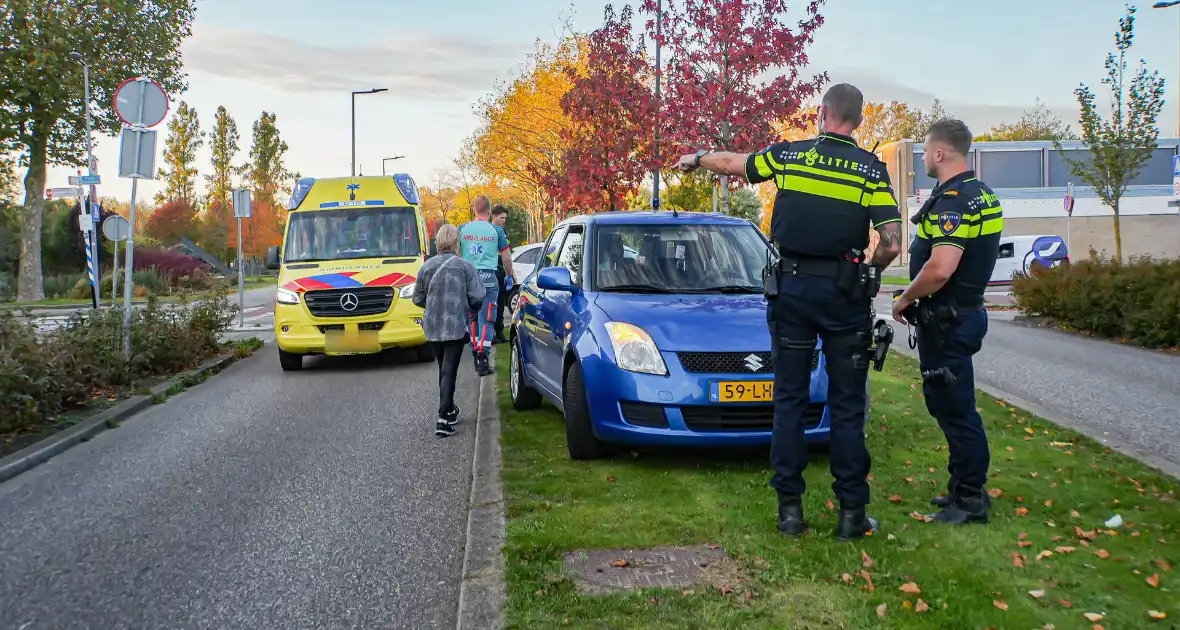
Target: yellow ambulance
[351, 252]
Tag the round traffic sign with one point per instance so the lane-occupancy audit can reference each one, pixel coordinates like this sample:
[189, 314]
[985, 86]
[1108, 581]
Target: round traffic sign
[141, 102]
[116, 228]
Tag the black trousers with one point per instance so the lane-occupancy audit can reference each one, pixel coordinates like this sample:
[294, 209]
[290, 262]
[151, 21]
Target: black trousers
[501, 303]
[953, 406]
[447, 354]
[810, 308]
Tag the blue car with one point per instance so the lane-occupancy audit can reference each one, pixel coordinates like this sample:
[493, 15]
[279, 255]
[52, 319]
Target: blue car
[650, 328]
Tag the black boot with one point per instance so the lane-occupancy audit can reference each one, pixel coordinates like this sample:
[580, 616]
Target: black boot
[482, 366]
[967, 505]
[942, 501]
[790, 515]
[853, 522]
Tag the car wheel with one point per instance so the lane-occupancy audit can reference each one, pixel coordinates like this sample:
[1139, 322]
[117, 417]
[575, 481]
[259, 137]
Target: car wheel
[290, 362]
[523, 396]
[579, 432]
[513, 301]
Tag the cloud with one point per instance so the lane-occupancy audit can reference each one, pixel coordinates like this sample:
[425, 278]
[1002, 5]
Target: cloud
[421, 65]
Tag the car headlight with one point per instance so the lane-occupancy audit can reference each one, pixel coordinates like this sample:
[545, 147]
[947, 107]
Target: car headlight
[634, 349]
[406, 291]
[286, 296]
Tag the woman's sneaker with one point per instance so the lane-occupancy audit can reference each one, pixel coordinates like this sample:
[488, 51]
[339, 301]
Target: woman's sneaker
[451, 419]
[442, 429]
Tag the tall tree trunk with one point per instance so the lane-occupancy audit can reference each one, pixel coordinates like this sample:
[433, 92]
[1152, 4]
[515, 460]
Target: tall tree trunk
[1118, 236]
[31, 282]
[725, 137]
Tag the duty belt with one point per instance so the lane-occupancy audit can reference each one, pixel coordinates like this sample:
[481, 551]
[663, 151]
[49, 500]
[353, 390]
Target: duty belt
[819, 267]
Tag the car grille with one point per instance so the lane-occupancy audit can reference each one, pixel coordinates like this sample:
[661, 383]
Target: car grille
[720, 419]
[644, 414]
[365, 326]
[732, 362]
[370, 301]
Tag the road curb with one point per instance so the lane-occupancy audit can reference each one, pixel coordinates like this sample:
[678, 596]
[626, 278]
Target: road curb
[481, 592]
[36, 454]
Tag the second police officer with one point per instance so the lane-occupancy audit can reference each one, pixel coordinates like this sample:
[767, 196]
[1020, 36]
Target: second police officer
[829, 190]
[951, 260]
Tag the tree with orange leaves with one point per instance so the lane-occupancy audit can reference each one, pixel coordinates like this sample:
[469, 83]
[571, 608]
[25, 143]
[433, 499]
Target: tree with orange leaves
[171, 220]
[882, 123]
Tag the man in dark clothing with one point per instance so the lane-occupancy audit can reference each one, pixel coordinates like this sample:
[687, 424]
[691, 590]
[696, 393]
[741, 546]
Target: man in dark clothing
[500, 218]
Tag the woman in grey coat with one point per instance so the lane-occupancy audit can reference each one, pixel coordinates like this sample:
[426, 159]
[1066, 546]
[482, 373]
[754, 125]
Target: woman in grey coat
[448, 288]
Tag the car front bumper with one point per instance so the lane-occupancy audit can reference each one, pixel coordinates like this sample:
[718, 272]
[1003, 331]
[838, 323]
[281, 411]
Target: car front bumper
[676, 410]
[296, 331]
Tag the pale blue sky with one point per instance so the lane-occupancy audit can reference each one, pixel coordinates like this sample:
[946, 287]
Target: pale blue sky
[987, 61]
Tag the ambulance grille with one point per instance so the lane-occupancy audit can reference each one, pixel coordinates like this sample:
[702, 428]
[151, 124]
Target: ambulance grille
[330, 302]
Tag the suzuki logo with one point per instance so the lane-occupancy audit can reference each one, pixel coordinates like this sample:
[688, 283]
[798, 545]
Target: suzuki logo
[753, 362]
[349, 302]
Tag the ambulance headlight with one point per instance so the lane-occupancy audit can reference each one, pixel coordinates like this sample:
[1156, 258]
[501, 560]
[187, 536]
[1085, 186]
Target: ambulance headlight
[286, 296]
[407, 291]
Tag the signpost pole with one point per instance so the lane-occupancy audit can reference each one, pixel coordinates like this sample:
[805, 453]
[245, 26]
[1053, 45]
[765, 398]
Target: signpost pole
[115, 278]
[241, 281]
[1068, 213]
[90, 266]
[128, 281]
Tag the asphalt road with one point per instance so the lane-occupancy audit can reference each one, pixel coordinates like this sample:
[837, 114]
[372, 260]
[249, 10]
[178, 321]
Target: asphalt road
[1104, 389]
[259, 499]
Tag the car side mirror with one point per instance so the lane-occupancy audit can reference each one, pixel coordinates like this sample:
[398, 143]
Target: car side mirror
[556, 279]
[272, 258]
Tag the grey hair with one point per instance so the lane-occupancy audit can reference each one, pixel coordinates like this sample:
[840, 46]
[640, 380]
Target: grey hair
[447, 239]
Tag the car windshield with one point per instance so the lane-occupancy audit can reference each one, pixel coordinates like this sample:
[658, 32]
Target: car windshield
[699, 258]
[351, 233]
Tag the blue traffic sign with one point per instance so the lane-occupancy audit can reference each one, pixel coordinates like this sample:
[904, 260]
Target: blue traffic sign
[89, 180]
[95, 212]
[1176, 166]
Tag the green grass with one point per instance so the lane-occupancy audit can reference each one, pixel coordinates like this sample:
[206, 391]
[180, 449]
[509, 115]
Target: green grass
[642, 498]
[898, 277]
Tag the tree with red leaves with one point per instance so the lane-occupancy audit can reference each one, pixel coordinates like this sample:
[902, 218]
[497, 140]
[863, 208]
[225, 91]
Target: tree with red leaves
[720, 52]
[171, 220]
[612, 115]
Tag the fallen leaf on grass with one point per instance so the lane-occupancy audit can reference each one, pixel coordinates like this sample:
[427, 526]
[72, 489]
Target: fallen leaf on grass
[909, 480]
[881, 610]
[1017, 560]
[748, 595]
[999, 603]
[611, 479]
[918, 516]
[910, 587]
[1065, 603]
[895, 498]
[725, 590]
[1033, 475]
[1022, 536]
[1044, 554]
[1056, 538]
[846, 577]
[1037, 594]
[1162, 564]
[1102, 553]
[1065, 549]
[1024, 543]
[1010, 449]
[1074, 514]
[1156, 615]
[907, 604]
[828, 504]
[868, 581]
[995, 493]
[921, 607]
[1154, 580]
[865, 560]
[1094, 616]
[1021, 511]
[1088, 535]
[621, 562]
[1029, 431]
[1049, 503]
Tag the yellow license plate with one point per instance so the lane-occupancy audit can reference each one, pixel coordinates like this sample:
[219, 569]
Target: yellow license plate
[346, 342]
[741, 391]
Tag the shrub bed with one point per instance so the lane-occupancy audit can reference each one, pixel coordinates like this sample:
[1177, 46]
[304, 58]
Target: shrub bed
[43, 375]
[1138, 300]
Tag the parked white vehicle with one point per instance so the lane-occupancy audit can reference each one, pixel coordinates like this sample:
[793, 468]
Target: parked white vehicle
[1023, 253]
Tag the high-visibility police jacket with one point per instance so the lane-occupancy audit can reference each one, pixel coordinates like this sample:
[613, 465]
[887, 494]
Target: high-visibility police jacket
[829, 189]
[961, 212]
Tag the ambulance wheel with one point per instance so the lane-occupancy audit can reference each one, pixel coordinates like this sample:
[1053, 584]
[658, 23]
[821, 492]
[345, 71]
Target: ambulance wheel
[290, 361]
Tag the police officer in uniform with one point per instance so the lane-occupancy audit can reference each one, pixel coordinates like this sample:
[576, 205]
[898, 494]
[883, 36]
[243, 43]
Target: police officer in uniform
[951, 260]
[821, 287]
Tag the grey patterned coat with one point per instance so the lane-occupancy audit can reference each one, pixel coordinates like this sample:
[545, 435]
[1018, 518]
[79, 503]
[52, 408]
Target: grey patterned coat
[448, 288]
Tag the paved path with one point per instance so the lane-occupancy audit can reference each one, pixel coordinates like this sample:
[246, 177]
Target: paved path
[1104, 389]
[260, 499]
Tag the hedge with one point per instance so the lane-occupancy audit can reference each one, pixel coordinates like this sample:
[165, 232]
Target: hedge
[1138, 301]
[44, 375]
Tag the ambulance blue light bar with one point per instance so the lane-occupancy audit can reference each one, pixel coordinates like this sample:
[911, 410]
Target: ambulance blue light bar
[406, 184]
[299, 193]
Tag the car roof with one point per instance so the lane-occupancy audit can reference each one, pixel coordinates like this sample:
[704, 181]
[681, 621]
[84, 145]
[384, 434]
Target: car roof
[648, 217]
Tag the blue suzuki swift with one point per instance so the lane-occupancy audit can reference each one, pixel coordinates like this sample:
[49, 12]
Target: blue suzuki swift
[649, 328]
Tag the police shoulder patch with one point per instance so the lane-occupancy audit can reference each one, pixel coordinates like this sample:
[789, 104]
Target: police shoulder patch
[949, 221]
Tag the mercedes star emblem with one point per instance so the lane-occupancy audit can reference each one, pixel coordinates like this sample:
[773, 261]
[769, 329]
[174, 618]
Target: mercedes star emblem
[349, 302]
[754, 362]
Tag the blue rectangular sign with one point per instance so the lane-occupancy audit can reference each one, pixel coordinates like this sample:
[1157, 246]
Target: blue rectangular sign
[94, 211]
[1176, 166]
[89, 180]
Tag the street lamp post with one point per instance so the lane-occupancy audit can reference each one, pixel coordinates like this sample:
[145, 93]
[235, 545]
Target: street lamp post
[1164, 5]
[92, 199]
[396, 157]
[372, 91]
